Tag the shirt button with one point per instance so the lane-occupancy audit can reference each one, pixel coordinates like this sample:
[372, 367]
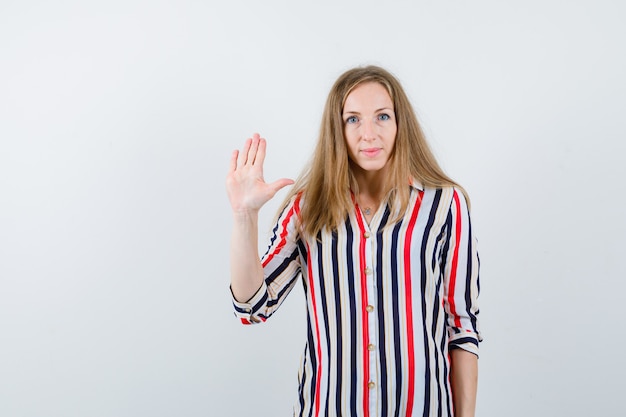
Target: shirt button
[371, 347]
[371, 384]
[369, 308]
[368, 271]
[367, 235]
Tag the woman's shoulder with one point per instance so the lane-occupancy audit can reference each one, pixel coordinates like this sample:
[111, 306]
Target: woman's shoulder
[428, 188]
[447, 194]
[292, 202]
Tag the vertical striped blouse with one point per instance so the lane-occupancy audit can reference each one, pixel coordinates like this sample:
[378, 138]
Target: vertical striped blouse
[385, 302]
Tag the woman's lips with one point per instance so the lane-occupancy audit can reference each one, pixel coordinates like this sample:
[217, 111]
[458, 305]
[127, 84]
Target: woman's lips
[371, 152]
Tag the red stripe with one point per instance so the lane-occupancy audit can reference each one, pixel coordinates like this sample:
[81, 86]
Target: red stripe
[455, 262]
[366, 354]
[409, 305]
[296, 209]
[283, 234]
[246, 321]
[317, 334]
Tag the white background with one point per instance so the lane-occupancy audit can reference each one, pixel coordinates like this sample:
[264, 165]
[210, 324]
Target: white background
[117, 120]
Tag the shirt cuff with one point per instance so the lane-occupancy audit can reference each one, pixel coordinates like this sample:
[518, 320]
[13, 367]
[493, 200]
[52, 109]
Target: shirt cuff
[248, 312]
[467, 341]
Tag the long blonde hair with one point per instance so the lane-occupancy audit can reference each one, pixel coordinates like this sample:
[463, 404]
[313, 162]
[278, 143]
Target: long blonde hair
[326, 182]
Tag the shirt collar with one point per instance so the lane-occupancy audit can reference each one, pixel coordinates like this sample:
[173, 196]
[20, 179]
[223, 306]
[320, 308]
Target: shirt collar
[416, 184]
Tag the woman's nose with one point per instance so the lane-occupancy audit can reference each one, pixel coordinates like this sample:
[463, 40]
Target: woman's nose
[368, 130]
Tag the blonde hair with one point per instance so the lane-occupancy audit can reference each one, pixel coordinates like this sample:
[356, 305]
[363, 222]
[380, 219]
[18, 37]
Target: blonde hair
[326, 182]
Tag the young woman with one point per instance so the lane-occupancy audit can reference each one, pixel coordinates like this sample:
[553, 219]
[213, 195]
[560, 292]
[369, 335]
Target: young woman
[382, 241]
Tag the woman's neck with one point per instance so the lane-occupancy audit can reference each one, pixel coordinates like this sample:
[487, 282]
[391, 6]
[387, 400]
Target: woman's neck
[373, 187]
[372, 183]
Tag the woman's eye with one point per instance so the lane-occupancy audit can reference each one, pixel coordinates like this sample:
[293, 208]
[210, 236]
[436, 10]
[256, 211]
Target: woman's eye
[352, 119]
[383, 116]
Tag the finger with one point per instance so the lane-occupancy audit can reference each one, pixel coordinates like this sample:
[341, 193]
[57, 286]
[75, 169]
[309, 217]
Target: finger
[233, 161]
[260, 155]
[281, 183]
[243, 155]
[252, 151]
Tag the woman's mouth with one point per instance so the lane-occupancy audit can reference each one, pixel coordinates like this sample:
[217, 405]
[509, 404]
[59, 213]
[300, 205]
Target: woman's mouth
[371, 152]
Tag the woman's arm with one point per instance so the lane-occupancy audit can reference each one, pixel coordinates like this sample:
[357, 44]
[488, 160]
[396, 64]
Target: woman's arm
[461, 302]
[247, 192]
[246, 272]
[464, 382]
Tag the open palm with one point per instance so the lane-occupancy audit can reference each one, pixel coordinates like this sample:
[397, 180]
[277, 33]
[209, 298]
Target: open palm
[246, 187]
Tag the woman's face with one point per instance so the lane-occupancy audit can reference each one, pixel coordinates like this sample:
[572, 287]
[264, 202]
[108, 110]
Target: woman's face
[370, 127]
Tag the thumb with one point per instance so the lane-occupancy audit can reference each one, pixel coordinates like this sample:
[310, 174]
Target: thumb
[281, 183]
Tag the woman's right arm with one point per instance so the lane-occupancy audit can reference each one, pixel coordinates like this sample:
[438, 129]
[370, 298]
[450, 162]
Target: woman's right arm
[248, 192]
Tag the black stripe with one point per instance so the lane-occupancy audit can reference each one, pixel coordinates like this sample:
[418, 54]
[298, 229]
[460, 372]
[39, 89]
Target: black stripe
[303, 252]
[445, 390]
[335, 262]
[240, 310]
[423, 278]
[280, 296]
[322, 296]
[313, 357]
[260, 304]
[463, 340]
[395, 311]
[302, 382]
[468, 280]
[380, 249]
[282, 267]
[352, 306]
[448, 227]
[304, 259]
[275, 229]
[478, 276]
[435, 313]
[446, 371]
[438, 250]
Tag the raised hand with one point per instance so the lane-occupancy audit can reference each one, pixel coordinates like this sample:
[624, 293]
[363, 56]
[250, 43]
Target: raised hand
[246, 187]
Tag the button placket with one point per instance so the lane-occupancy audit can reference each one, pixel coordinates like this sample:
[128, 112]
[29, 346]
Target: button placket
[372, 321]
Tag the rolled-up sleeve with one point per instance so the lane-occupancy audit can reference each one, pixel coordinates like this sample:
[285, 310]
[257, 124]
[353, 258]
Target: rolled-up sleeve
[281, 269]
[461, 278]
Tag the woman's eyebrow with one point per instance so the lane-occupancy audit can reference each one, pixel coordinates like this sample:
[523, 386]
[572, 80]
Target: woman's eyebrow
[375, 111]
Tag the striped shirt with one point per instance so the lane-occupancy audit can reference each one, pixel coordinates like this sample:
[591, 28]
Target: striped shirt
[385, 303]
